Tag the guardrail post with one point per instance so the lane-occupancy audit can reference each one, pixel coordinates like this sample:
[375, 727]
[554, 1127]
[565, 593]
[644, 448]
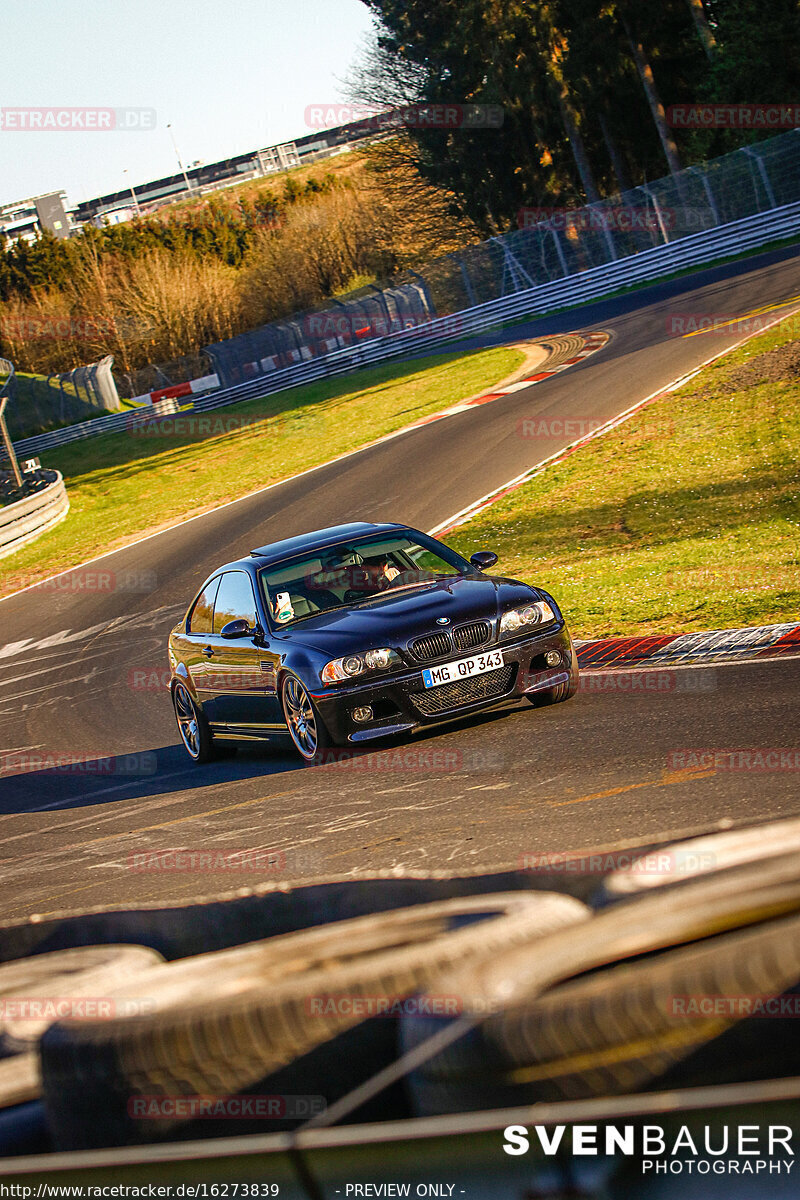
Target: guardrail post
[657, 209]
[559, 249]
[712, 204]
[473, 299]
[7, 443]
[750, 152]
[512, 269]
[607, 234]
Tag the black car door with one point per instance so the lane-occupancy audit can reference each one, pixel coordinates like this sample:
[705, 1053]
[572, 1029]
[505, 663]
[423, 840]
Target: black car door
[241, 672]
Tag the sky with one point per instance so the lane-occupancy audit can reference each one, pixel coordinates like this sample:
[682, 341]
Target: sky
[228, 75]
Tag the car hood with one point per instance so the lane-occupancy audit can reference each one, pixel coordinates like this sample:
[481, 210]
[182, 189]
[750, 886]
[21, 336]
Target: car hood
[398, 616]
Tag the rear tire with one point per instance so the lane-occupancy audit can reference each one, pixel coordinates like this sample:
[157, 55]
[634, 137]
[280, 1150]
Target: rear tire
[192, 726]
[620, 1030]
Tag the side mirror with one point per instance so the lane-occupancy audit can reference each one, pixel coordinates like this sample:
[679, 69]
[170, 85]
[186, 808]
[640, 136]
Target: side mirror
[236, 629]
[483, 559]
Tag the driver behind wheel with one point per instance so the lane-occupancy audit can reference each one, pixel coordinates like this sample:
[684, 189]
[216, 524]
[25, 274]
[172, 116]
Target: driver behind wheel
[374, 575]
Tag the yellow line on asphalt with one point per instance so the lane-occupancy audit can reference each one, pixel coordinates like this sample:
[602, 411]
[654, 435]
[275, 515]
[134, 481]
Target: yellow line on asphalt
[667, 778]
[754, 312]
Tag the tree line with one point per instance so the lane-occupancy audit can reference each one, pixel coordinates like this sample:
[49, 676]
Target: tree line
[157, 289]
[585, 87]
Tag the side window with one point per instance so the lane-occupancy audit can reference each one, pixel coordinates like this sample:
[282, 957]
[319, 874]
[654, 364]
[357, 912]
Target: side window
[202, 615]
[235, 601]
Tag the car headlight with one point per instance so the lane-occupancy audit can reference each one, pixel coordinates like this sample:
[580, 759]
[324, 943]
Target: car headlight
[356, 664]
[538, 613]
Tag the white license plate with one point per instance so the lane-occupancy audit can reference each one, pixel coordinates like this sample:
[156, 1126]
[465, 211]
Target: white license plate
[462, 668]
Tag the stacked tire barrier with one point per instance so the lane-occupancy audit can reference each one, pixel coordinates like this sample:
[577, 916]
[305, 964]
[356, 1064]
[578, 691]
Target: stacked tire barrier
[24, 520]
[387, 998]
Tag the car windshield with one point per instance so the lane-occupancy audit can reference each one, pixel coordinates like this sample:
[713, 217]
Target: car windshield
[354, 573]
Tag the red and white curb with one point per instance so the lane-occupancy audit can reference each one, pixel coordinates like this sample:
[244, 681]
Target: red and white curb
[715, 645]
[592, 342]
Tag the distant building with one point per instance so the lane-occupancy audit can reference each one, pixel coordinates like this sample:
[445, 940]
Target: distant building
[27, 218]
[206, 177]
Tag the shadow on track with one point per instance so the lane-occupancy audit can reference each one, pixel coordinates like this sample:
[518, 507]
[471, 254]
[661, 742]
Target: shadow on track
[167, 770]
[129, 777]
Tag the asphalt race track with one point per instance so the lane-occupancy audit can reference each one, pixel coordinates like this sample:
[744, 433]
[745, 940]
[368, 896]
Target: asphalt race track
[78, 679]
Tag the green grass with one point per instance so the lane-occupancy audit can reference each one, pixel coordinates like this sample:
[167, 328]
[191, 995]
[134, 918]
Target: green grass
[123, 486]
[687, 517]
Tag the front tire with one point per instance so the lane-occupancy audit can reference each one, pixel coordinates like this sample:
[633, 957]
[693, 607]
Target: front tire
[192, 726]
[562, 691]
[306, 727]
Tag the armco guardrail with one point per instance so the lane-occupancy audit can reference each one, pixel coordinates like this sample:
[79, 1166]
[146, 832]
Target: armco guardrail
[569, 291]
[27, 519]
[116, 423]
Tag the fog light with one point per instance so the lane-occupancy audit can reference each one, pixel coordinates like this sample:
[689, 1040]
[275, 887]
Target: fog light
[362, 714]
[552, 658]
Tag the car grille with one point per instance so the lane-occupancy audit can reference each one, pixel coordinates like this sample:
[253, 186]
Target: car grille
[466, 691]
[433, 645]
[477, 633]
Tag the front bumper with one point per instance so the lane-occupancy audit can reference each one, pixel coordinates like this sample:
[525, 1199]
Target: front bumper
[400, 702]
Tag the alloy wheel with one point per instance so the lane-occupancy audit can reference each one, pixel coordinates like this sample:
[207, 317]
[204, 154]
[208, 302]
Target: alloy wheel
[300, 717]
[188, 724]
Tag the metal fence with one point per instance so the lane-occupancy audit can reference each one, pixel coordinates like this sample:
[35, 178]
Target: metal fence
[554, 244]
[741, 201]
[45, 402]
[550, 245]
[373, 313]
[649, 266]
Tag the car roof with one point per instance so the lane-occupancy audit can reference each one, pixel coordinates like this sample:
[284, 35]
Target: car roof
[318, 540]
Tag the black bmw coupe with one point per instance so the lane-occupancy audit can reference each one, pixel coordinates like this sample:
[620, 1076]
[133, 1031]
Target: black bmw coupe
[358, 632]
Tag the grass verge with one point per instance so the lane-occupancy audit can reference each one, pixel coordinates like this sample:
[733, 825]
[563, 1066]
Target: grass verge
[122, 486]
[686, 517]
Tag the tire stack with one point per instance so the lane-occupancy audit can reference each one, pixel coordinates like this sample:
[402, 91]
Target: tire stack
[650, 992]
[32, 992]
[270, 1017]
[531, 996]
